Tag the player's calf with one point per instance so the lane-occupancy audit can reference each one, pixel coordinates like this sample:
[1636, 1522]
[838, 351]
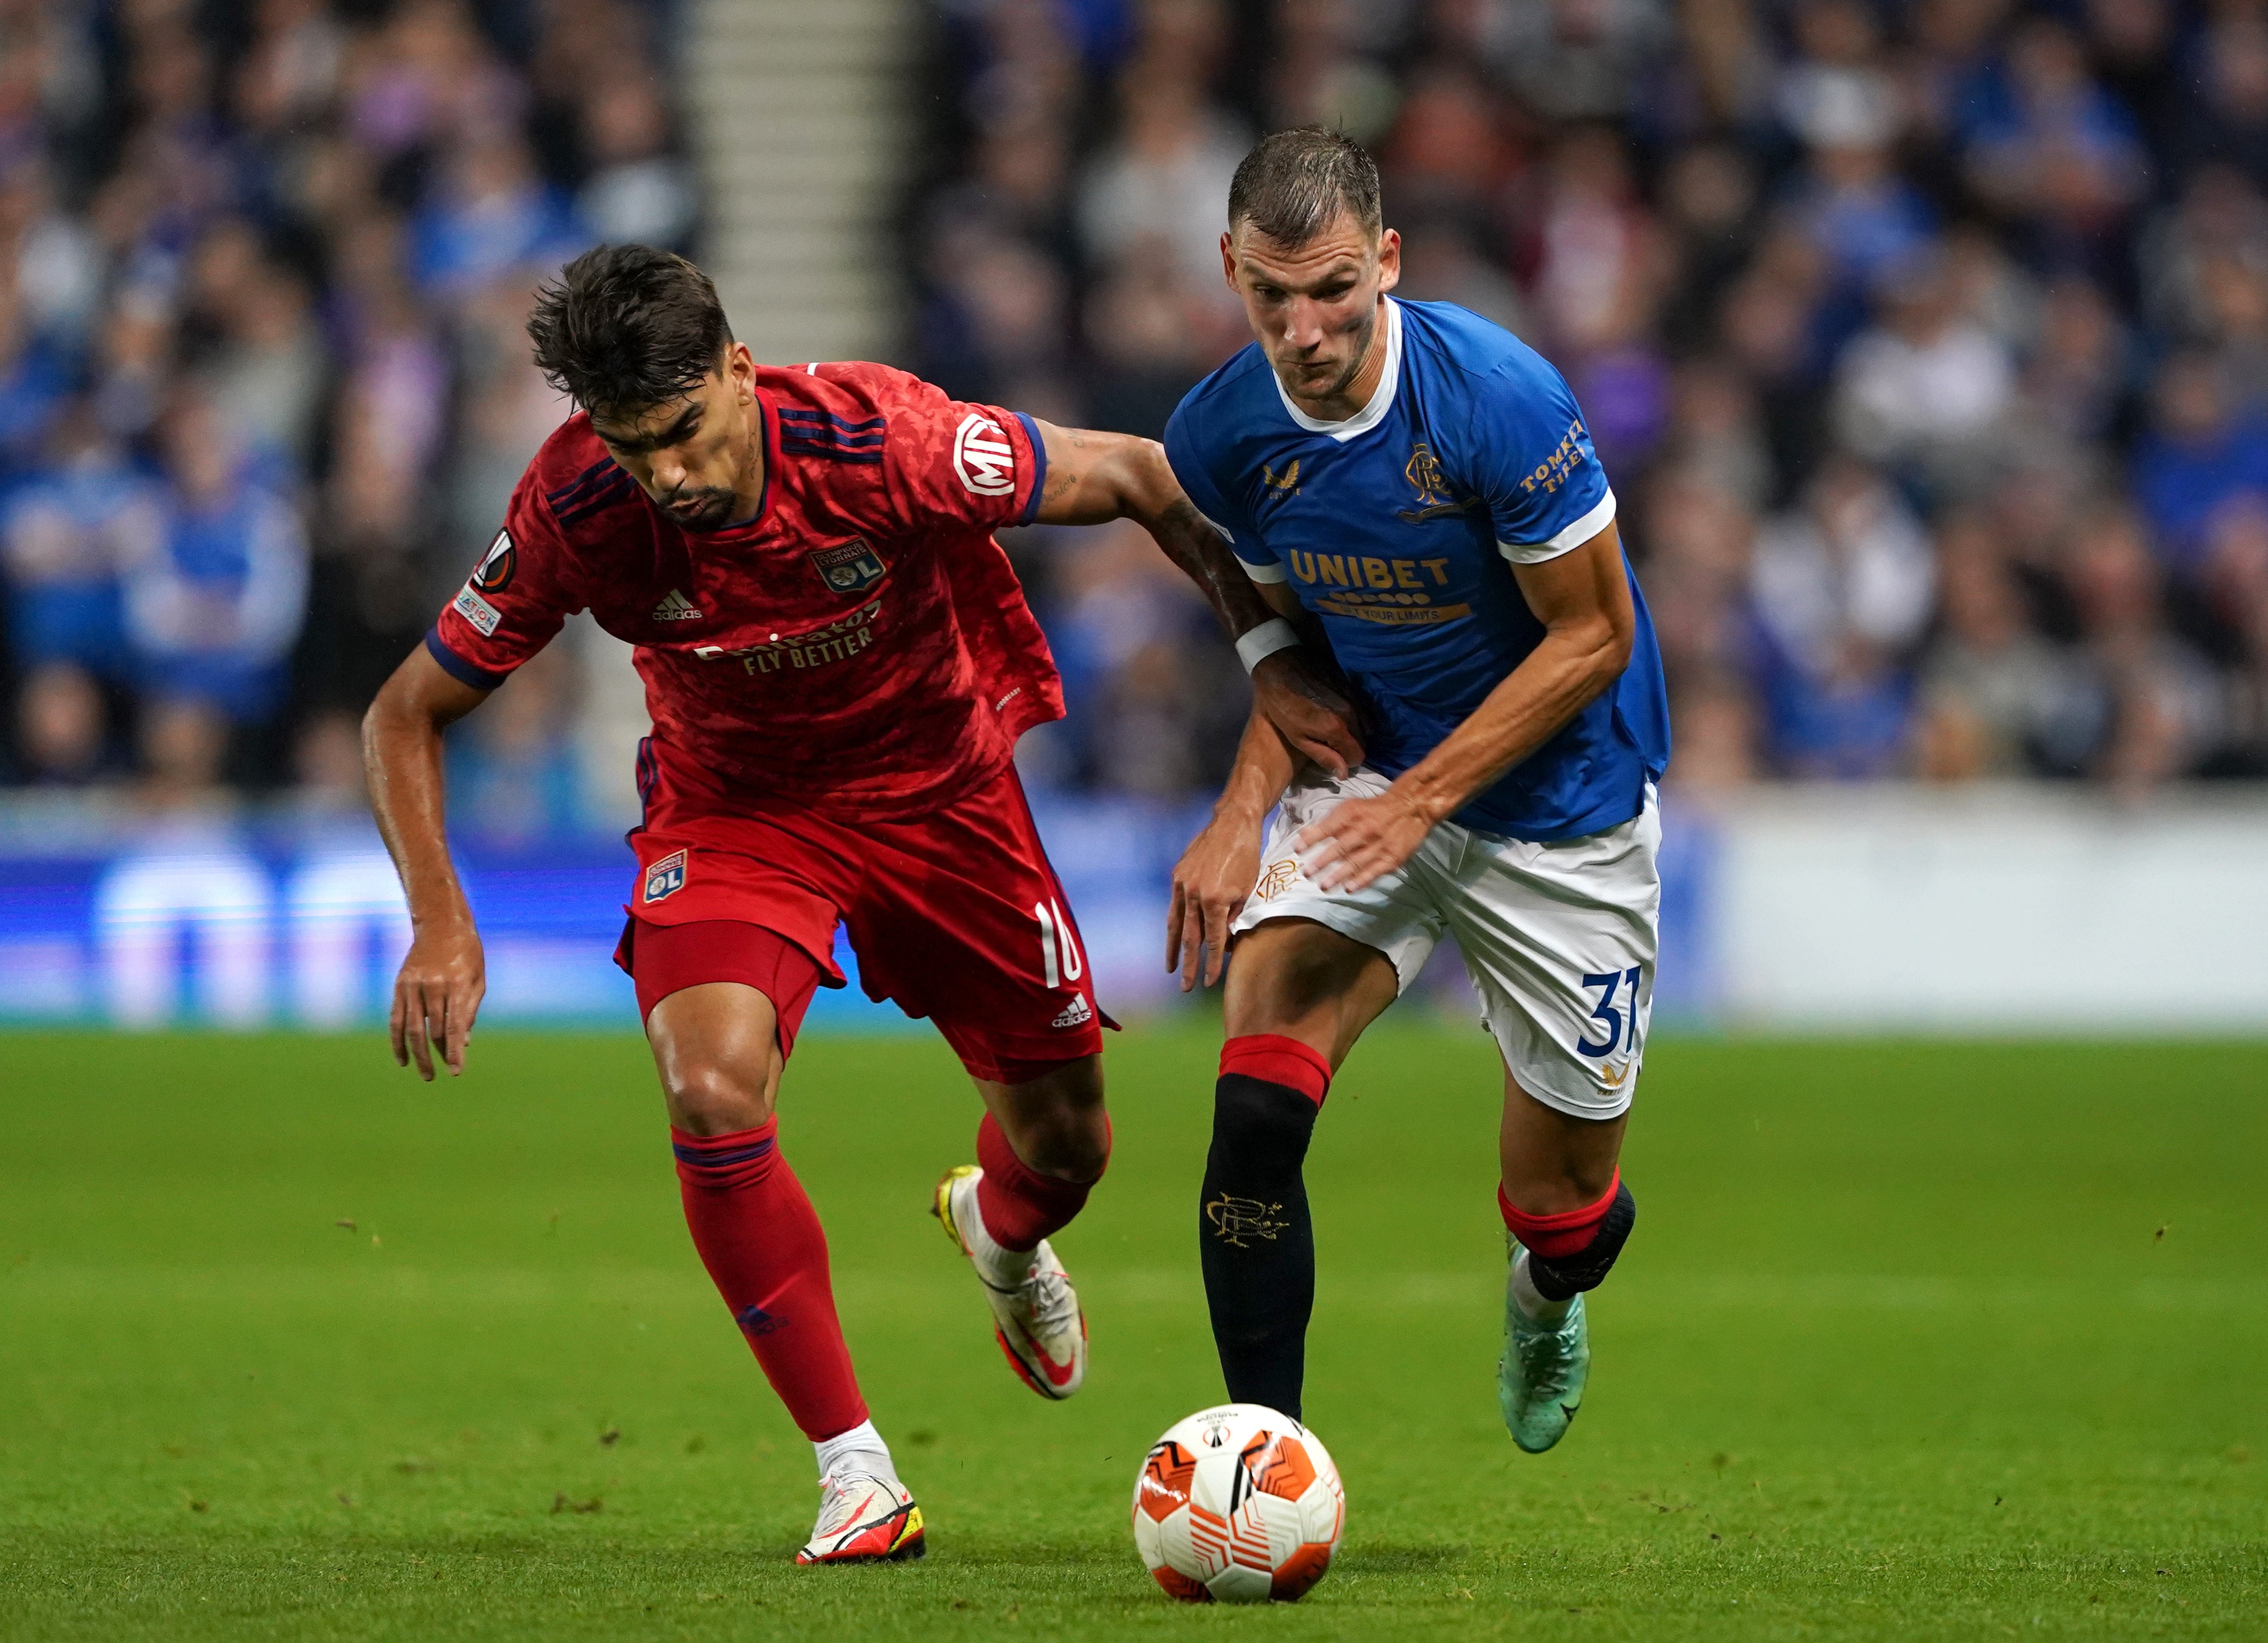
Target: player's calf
[1547, 1348]
[717, 1043]
[1032, 1177]
[1257, 1243]
[1568, 1253]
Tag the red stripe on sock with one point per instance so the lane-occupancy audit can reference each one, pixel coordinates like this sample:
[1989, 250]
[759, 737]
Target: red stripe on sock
[761, 1242]
[1019, 1205]
[1563, 1233]
[1276, 1059]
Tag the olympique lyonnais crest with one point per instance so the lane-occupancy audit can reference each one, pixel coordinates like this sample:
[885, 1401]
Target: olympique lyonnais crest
[493, 573]
[665, 878]
[851, 568]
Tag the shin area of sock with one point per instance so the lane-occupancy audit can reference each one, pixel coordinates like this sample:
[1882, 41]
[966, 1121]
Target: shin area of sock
[760, 1238]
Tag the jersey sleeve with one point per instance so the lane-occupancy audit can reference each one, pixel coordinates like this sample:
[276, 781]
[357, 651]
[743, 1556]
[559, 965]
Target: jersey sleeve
[513, 603]
[1185, 456]
[1546, 492]
[948, 463]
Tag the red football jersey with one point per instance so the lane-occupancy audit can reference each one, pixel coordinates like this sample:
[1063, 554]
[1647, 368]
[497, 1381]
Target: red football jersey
[860, 646]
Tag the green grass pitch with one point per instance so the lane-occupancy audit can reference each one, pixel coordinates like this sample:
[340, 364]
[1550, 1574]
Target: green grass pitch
[1913, 1341]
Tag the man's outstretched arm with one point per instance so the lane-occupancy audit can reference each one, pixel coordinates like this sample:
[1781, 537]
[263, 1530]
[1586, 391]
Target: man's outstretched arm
[439, 992]
[1217, 872]
[1093, 477]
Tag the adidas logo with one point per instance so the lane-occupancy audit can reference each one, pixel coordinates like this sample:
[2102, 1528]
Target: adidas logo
[1076, 1013]
[755, 1321]
[675, 606]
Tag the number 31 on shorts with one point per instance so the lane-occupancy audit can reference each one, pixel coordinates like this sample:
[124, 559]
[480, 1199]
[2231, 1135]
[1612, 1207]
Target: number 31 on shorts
[1624, 983]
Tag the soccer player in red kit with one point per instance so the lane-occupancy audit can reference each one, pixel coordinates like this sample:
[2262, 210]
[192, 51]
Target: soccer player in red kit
[838, 662]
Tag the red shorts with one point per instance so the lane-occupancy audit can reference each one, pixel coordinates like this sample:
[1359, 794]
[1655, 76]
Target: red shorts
[668, 958]
[956, 916]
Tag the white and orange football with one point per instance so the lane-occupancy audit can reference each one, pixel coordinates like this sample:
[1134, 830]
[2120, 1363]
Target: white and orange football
[1238, 1504]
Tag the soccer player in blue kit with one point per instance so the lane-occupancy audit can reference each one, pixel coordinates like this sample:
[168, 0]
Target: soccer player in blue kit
[1414, 487]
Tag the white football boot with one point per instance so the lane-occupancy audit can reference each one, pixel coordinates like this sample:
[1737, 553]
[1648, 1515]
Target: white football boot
[864, 1517]
[1036, 1312]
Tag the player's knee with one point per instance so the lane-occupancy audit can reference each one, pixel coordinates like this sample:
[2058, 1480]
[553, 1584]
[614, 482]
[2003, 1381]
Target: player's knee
[1054, 1119]
[711, 1097]
[1065, 1142]
[1569, 1262]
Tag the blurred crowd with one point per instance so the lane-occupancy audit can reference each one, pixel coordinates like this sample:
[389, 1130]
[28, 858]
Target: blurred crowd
[263, 388]
[1925, 342]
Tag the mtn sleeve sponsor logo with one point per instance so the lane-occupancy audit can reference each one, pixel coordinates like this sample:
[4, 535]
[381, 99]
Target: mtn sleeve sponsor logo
[982, 458]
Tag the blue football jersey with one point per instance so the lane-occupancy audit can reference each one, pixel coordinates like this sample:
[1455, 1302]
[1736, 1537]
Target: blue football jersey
[1398, 527]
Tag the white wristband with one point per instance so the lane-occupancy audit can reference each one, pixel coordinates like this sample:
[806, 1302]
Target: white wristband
[1265, 641]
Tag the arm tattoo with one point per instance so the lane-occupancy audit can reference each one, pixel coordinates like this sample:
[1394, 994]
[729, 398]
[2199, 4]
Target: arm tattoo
[1206, 558]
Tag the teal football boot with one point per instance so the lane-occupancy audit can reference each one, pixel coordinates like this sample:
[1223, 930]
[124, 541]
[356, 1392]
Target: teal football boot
[1539, 1380]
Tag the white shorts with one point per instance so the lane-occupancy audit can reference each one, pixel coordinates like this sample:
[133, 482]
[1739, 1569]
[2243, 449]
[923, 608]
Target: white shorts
[1558, 939]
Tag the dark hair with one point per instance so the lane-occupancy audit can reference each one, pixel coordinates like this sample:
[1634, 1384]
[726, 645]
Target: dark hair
[1291, 187]
[624, 327]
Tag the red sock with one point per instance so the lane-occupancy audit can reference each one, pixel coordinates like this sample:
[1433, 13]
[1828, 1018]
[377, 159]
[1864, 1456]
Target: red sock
[760, 1238]
[1565, 1234]
[1273, 1058]
[1019, 1205]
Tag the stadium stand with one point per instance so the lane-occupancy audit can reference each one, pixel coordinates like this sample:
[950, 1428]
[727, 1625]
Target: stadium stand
[262, 386]
[1924, 341]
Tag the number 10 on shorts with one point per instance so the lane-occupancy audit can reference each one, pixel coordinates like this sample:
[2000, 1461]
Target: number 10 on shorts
[1059, 957]
[1625, 983]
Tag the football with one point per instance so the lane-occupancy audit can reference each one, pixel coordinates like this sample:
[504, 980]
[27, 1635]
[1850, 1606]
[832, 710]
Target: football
[1238, 1505]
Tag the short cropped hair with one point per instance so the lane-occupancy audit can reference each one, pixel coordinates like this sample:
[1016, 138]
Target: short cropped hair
[627, 327]
[1296, 183]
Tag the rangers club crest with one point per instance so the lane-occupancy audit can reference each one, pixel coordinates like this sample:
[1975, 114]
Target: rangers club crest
[851, 568]
[665, 878]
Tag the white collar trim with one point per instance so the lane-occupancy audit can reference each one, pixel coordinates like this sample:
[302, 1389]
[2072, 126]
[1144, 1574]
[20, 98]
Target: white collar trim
[1381, 397]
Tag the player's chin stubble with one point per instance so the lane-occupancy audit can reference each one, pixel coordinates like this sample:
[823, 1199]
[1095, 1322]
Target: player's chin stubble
[1294, 370]
[711, 506]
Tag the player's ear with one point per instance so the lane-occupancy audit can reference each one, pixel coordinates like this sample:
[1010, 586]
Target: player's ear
[1228, 258]
[1390, 259]
[741, 372]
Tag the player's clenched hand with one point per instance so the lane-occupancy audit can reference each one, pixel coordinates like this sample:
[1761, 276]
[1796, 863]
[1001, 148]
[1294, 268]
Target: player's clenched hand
[1210, 882]
[436, 997]
[1315, 717]
[1361, 840]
